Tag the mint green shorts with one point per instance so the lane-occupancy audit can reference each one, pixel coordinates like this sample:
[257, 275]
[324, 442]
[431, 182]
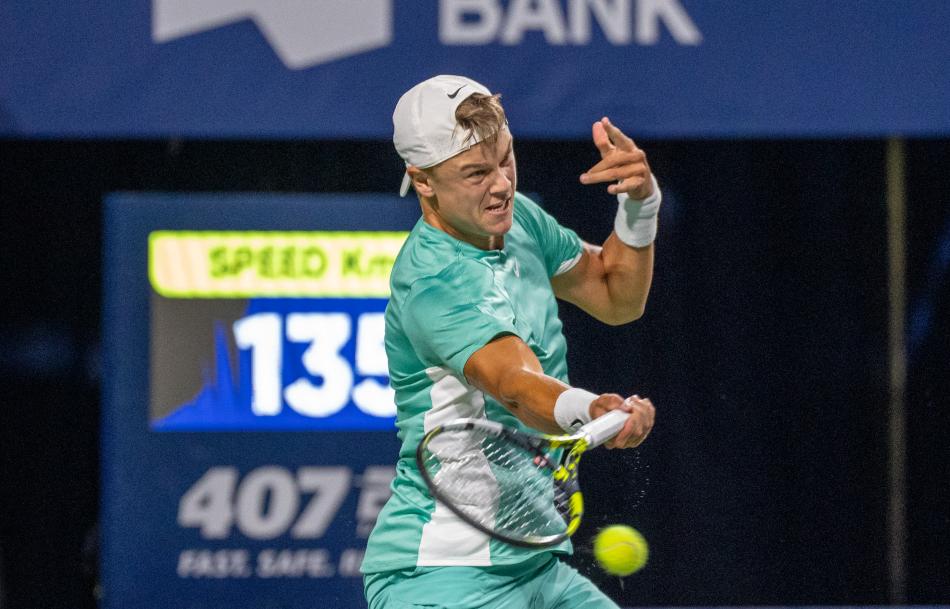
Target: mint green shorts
[541, 582]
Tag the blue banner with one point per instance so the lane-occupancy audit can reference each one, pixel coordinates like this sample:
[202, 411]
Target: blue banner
[332, 69]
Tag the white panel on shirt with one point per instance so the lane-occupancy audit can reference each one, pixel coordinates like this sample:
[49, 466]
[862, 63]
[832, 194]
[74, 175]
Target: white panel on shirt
[446, 539]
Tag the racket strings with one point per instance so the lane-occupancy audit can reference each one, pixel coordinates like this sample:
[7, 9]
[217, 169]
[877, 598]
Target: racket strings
[500, 484]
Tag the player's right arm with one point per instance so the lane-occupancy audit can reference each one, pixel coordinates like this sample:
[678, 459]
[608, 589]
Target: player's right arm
[508, 370]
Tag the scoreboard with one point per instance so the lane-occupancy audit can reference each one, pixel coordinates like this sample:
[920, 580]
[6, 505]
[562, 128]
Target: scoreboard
[248, 423]
[299, 313]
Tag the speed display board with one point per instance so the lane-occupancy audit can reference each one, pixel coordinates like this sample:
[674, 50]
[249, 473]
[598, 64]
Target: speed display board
[248, 426]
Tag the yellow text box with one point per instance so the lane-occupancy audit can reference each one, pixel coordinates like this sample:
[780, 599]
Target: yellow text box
[259, 264]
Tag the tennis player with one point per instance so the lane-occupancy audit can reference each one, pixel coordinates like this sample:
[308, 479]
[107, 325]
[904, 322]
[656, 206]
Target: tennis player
[472, 331]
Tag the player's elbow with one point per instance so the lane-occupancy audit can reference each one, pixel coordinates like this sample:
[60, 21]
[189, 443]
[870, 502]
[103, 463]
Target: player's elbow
[621, 320]
[622, 315]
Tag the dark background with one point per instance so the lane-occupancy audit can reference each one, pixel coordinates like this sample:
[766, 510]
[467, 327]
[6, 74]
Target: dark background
[764, 348]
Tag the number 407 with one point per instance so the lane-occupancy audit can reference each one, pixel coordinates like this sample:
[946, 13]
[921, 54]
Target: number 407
[266, 503]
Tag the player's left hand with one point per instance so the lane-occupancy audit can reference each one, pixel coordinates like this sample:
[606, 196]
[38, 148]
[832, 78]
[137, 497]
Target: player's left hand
[622, 163]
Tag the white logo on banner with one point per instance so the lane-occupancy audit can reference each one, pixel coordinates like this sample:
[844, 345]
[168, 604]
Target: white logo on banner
[309, 32]
[485, 21]
[302, 32]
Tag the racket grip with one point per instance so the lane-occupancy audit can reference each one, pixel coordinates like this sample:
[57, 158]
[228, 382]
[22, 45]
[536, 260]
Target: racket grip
[605, 427]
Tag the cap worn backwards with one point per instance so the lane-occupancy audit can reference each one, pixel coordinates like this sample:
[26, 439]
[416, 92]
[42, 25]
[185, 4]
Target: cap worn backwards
[425, 131]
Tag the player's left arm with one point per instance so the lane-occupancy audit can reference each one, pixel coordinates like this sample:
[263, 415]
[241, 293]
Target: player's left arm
[611, 282]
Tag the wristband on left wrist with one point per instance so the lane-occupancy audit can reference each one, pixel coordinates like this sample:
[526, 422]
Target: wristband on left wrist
[636, 221]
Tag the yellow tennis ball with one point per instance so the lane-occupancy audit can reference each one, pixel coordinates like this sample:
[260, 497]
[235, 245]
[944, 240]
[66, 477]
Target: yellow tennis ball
[620, 550]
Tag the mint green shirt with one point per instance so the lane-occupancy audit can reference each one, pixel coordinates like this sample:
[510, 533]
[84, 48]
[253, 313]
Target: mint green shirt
[448, 300]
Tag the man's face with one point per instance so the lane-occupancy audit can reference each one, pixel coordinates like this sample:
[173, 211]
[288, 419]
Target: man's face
[475, 192]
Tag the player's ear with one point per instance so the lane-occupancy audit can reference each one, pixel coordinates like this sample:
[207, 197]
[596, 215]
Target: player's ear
[420, 181]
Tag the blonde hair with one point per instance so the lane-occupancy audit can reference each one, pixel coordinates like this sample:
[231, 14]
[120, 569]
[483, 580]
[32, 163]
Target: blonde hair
[482, 116]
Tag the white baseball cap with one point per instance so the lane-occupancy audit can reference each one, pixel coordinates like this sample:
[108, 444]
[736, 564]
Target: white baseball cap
[424, 129]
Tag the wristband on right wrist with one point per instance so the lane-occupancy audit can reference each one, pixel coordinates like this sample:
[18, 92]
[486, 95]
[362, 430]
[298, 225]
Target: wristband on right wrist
[572, 409]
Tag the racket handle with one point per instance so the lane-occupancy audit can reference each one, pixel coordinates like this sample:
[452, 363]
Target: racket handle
[605, 427]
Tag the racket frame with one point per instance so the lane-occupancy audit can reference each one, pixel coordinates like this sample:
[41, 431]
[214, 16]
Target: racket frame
[564, 476]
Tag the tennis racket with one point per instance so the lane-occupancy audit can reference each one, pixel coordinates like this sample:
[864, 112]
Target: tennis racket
[519, 487]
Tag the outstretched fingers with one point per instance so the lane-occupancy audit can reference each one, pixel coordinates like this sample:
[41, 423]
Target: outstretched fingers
[619, 139]
[617, 166]
[601, 139]
[622, 165]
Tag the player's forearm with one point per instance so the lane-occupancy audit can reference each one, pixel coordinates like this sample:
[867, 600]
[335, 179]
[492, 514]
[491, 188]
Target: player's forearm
[551, 406]
[612, 282]
[530, 395]
[627, 255]
[509, 371]
[628, 275]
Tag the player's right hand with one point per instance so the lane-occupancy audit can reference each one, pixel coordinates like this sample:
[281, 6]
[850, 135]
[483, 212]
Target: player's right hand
[639, 423]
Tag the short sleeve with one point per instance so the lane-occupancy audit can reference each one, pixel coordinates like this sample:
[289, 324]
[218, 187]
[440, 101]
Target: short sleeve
[449, 316]
[560, 247]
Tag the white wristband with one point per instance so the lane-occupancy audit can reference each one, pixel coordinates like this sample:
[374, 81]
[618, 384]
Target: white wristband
[572, 408]
[635, 224]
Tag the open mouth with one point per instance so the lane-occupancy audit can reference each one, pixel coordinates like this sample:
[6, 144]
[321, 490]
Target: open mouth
[499, 208]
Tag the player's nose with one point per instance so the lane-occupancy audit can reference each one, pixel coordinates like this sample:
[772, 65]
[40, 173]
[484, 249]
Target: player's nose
[501, 185]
